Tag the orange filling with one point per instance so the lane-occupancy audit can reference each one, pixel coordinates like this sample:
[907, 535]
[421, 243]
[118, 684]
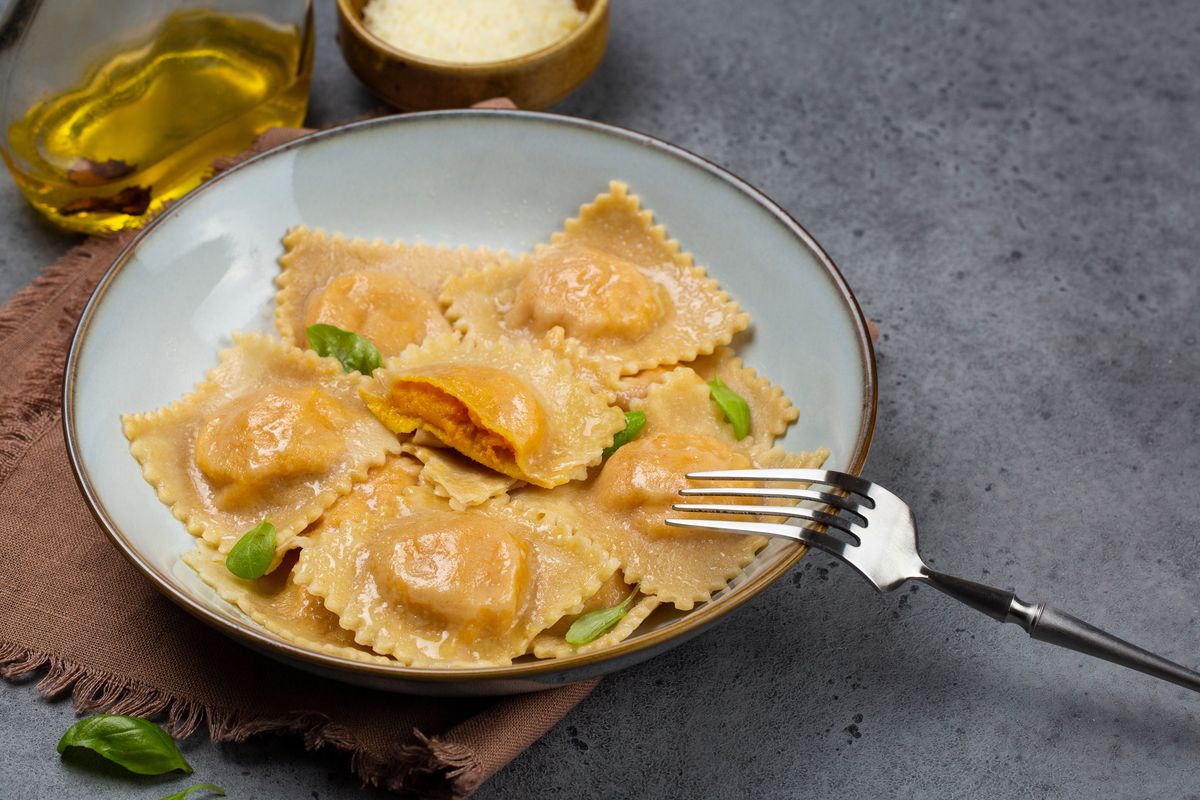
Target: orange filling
[482, 412]
[419, 405]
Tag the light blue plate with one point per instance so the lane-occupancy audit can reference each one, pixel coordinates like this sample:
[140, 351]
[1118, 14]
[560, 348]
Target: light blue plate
[497, 178]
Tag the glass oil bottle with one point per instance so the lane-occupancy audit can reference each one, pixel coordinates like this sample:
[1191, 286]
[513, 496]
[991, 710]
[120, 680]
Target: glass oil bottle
[113, 109]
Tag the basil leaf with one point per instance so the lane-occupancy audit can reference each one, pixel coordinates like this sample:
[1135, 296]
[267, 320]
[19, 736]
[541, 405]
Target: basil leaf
[211, 788]
[137, 745]
[593, 624]
[732, 405]
[354, 352]
[251, 557]
[634, 422]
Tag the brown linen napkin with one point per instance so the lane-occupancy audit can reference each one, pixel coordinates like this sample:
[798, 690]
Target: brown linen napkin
[75, 612]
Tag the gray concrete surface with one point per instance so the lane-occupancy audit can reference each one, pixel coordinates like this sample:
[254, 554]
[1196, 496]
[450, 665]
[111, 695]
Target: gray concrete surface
[1013, 191]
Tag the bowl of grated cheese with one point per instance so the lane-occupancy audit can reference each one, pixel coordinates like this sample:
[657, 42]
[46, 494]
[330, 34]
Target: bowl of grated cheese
[429, 54]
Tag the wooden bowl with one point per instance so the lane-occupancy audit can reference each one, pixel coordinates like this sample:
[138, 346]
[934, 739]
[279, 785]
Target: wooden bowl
[417, 83]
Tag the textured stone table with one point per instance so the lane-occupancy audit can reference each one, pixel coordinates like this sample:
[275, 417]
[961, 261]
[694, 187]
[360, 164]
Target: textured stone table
[1013, 190]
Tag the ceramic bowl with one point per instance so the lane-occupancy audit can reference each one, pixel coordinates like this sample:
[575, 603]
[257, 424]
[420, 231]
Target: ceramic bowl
[416, 83]
[207, 266]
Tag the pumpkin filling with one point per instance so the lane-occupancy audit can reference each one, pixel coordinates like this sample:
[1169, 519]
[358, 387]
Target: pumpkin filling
[451, 421]
[481, 412]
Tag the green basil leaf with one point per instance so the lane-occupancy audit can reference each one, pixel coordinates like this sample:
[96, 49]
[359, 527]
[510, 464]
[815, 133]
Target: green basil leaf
[355, 353]
[732, 405]
[594, 624]
[137, 745]
[634, 422]
[251, 557]
[211, 788]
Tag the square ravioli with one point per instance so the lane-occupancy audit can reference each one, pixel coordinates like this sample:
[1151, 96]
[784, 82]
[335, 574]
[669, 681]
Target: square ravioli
[272, 432]
[428, 585]
[610, 291]
[460, 507]
[623, 507]
[508, 405]
[280, 605]
[384, 291]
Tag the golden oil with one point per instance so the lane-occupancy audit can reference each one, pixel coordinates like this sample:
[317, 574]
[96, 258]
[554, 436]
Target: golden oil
[144, 126]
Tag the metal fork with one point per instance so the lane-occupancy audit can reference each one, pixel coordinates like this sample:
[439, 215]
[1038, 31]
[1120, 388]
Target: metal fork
[873, 531]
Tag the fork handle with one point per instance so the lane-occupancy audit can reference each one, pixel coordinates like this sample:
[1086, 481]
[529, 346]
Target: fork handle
[1048, 624]
[1060, 628]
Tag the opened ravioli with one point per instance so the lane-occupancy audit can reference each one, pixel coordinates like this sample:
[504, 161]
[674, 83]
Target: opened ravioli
[271, 433]
[623, 294]
[510, 406]
[433, 586]
[552, 643]
[463, 482]
[385, 291]
[280, 605]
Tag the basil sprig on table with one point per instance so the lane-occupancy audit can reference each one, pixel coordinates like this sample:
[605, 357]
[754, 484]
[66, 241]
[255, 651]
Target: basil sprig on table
[251, 557]
[137, 745]
[732, 405]
[595, 624]
[211, 788]
[356, 353]
[634, 422]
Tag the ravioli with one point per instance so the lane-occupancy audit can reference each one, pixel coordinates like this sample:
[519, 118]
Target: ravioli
[508, 405]
[552, 643]
[455, 509]
[280, 605]
[271, 433]
[771, 412]
[611, 283]
[624, 507]
[384, 291]
[432, 586]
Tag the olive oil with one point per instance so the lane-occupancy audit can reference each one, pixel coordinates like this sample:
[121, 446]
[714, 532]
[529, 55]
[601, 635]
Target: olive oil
[145, 125]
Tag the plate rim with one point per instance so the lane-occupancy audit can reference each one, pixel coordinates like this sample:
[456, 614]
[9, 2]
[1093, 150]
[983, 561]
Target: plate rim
[680, 629]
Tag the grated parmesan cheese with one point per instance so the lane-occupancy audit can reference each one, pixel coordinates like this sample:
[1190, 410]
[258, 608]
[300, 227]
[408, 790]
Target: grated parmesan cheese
[471, 31]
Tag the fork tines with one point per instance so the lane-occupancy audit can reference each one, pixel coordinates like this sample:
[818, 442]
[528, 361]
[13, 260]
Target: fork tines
[841, 511]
